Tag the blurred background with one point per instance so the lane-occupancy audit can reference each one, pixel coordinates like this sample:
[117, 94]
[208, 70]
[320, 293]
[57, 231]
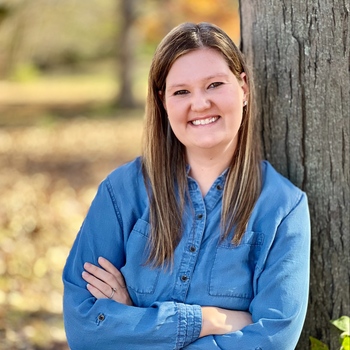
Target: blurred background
[73, 76]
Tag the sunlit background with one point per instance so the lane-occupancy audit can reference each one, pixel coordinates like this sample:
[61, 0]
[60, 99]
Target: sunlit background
[73, 77]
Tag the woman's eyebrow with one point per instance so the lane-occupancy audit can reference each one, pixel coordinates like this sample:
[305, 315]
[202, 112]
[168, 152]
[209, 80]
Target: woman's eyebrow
[209, 77]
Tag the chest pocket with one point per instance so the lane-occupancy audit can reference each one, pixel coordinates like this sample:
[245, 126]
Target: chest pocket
[139, 277]
[233, 268]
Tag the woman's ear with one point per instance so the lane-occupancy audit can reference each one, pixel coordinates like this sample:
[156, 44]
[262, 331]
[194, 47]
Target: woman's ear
[244, 86]
[161, 95]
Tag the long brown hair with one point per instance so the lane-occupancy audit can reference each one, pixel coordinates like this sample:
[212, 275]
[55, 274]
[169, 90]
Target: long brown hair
[164, 162]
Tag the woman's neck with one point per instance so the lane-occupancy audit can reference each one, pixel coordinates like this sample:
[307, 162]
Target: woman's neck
[205, 169]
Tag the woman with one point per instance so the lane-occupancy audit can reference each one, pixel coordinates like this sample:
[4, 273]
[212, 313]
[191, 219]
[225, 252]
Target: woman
[198, 244]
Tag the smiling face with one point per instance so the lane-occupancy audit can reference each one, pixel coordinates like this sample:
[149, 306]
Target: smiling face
[204, 102]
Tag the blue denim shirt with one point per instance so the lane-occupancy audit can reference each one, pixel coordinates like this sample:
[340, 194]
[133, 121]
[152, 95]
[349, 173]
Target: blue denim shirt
[267, 274]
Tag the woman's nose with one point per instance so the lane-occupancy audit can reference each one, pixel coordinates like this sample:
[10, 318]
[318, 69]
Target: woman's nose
[199, 102]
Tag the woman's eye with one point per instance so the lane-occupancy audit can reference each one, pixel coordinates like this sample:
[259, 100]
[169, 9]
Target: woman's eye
[214, 85]
[181, 92]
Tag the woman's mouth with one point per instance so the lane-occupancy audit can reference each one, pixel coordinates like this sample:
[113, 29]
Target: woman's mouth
[205, 121]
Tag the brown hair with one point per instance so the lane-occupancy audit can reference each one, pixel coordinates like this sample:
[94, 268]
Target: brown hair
[164, 163]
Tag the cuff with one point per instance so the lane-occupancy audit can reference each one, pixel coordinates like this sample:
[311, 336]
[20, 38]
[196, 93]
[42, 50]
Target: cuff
[189, 324]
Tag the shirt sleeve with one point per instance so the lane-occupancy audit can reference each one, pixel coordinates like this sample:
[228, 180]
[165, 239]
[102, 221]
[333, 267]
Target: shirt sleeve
[282, 288]
[105, 324]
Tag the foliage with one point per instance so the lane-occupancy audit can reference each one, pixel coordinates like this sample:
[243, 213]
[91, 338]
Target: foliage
[156, 18]
[317, 344]
[55, 33]
[25, 72]
[51, 34]
[343, 324]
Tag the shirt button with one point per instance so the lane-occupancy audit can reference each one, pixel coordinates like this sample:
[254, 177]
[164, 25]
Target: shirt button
[219, 187]
[101, 317]
[184, 278]
[192, 249]
[200, 216]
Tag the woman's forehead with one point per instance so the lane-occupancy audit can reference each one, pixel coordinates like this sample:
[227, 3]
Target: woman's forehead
[198, 64]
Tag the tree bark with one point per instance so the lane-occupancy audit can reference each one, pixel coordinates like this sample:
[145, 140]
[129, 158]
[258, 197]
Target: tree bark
[299, 53]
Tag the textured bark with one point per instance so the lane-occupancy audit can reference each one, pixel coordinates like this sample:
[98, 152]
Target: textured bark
[299, 53]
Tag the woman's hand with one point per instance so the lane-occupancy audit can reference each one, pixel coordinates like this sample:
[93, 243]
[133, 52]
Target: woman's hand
[221, 321]
[106, 282]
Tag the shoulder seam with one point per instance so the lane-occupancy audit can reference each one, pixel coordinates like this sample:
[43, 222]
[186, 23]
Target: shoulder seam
[114, 201]
[297, 202]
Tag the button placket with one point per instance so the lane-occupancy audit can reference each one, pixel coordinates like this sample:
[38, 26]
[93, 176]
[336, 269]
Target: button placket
[189, 253]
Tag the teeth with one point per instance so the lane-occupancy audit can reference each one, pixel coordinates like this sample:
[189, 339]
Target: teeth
[205, 121]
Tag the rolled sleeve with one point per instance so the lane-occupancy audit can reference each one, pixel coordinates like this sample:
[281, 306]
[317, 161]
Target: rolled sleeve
[189, 324]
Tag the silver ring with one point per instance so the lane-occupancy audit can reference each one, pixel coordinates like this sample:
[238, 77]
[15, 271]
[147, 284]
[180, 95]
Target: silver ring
[113, 291]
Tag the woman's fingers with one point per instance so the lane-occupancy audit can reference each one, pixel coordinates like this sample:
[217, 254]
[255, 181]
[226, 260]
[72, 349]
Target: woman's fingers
[108, 273]
[100, 273]
[97, 283]
[109, 267]
[106, 282]
[95, 292]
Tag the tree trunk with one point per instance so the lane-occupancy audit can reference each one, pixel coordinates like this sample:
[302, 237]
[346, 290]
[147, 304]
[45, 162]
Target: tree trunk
[126, 53]
[299, 52]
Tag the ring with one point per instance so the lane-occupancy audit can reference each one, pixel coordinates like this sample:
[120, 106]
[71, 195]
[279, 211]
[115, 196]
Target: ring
[113, 291]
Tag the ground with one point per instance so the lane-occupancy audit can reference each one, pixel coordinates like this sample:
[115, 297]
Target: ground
[50, 170]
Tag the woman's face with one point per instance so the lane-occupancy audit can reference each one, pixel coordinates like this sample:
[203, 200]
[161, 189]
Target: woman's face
[204, 102]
